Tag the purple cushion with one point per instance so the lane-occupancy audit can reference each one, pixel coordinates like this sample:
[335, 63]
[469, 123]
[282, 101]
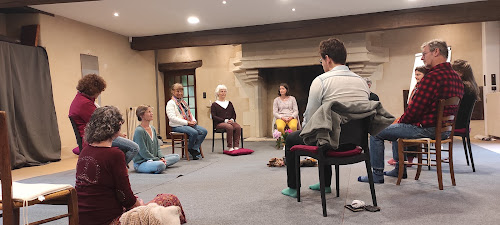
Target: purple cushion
[314, 149]
[241, 151]
[76, 151]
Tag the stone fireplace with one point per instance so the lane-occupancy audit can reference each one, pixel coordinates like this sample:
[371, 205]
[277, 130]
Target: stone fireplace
[260, 67]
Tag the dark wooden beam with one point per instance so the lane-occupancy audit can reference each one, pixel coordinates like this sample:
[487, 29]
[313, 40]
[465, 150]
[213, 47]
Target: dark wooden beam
[428, 16]
[163, 67]
[24, 9]
[21, 3]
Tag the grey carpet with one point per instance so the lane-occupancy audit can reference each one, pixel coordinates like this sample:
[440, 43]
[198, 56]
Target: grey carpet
[223, 189]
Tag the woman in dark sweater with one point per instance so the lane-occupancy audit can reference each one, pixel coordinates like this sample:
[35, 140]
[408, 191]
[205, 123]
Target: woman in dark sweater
[224, 116]
[102, 183]
[471, 92]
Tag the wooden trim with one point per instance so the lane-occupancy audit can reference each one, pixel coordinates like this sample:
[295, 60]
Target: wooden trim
[407, 18]
[21, 3]
[163, 67]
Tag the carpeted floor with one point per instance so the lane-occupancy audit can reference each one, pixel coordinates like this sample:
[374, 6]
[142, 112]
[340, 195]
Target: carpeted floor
[223, 189]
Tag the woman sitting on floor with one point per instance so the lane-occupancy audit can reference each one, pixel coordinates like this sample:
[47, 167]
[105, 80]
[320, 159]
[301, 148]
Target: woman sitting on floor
[224, 117]
[102, 182]
[150, 158]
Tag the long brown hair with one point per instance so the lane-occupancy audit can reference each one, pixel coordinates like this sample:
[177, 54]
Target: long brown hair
[463, 67]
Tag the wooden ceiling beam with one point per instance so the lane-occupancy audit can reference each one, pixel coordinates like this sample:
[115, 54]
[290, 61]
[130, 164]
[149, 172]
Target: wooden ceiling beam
[164, 67]
[428, 16]
[21, 3]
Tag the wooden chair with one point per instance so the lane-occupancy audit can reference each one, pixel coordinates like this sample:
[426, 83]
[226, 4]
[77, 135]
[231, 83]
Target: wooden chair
[77, 134]
[181, 140]
[10, 205]
[354, 139]
[465, 135]
[222, 131]
[444, 123]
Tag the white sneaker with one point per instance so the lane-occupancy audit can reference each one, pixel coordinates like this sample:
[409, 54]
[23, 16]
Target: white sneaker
[236, 148]
[231, 149]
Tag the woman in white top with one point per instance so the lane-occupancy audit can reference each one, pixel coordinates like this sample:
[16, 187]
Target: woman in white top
[150, 158]
[181, 120]
[224, 116]
[285, 109]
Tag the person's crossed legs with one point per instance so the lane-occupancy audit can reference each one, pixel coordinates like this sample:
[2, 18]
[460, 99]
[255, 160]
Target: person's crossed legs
[392, 133]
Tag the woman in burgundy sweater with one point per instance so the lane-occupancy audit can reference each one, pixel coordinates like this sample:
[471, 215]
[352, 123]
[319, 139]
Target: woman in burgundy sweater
[102, 182]
[224, 116]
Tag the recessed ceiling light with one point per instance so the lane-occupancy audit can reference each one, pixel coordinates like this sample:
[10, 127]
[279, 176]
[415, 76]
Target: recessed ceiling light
[193, 20]
[116, 14]
[293, 9]
[224, 2]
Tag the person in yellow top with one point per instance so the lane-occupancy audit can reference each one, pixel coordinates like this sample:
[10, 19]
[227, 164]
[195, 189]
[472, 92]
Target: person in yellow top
[285, 109]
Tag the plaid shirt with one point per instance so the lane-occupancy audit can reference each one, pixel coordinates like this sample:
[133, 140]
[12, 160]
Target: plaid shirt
[441, 82]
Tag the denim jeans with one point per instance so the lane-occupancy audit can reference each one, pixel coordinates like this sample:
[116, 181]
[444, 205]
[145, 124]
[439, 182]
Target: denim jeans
[156, 166]
[196, 135]
[128, 147]
[393, 133]
[172, 159]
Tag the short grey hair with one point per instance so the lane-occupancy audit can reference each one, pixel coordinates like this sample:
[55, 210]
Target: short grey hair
[218, 88]
[104, 123]
[439, 44]
[368, 80]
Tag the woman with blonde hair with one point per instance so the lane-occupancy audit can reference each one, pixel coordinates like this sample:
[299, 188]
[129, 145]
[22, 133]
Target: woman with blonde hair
[224, 117]
[150, 158]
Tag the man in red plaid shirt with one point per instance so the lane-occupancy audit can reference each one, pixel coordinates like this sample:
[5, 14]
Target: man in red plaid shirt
[419, 119]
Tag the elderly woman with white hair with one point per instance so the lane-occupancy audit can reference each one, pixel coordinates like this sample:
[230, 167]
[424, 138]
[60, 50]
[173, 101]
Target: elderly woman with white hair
[224, 117]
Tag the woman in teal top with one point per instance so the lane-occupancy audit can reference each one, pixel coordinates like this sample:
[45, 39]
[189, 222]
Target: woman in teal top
[150, 158]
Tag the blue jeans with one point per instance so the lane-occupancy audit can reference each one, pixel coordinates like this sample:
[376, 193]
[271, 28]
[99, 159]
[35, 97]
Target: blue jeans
[393, 133]
[128, 147]
[196, 135]
[156, 166]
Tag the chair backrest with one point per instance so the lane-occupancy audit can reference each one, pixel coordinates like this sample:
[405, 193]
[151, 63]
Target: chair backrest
[446, 122]
[355, 132]
[5, 170]
[77, 133]
[469, 114]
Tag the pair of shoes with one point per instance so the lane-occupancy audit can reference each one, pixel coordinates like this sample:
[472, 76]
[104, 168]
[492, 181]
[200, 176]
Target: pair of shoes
[194, 153]
[392, 162]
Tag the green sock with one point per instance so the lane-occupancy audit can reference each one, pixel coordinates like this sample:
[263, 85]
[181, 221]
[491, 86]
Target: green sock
[316, 188]
[290, 192]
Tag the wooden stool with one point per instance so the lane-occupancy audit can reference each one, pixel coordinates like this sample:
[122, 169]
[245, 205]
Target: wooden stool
[181, 140]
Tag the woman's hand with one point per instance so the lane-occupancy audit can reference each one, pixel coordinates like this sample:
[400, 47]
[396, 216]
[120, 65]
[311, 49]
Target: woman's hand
[191, 123]
[164, 161]
[123, 135]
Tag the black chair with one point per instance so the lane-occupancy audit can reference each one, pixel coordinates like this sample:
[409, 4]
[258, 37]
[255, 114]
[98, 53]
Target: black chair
[354, 133]
[222, 131]
[464, 133]
[77, 134]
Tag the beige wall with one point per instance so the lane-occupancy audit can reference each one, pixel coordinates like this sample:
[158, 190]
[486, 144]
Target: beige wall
[129, 74]
[216, 69]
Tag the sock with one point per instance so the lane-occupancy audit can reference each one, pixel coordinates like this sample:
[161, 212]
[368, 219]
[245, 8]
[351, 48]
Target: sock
[395, 172]
[316, 188]
[290, 192]
[378, 177]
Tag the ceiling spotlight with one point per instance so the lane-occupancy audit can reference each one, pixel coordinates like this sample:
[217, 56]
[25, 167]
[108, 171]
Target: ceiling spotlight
[293, 9]
[116, 14]
[193, 20]
[224, 2]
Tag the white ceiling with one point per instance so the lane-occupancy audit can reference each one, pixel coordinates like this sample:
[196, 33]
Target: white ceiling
[153, 17]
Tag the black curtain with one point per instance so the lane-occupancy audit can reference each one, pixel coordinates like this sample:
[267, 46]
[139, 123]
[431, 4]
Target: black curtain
[26, 96]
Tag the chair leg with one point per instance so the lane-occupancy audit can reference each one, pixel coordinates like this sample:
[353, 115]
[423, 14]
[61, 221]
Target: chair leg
[321, 168]
[337, 179]
[173, 145]
[401, 161]
[185, 147]
[370, 180]
[439, 165]
[450, 162]
[213, 140]
[465, 150]
[16, 216]
[470, 153]
[419, 167]
[297, 177]
[201, 151]
[73, 208]
[222, 134]
[241, 135]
